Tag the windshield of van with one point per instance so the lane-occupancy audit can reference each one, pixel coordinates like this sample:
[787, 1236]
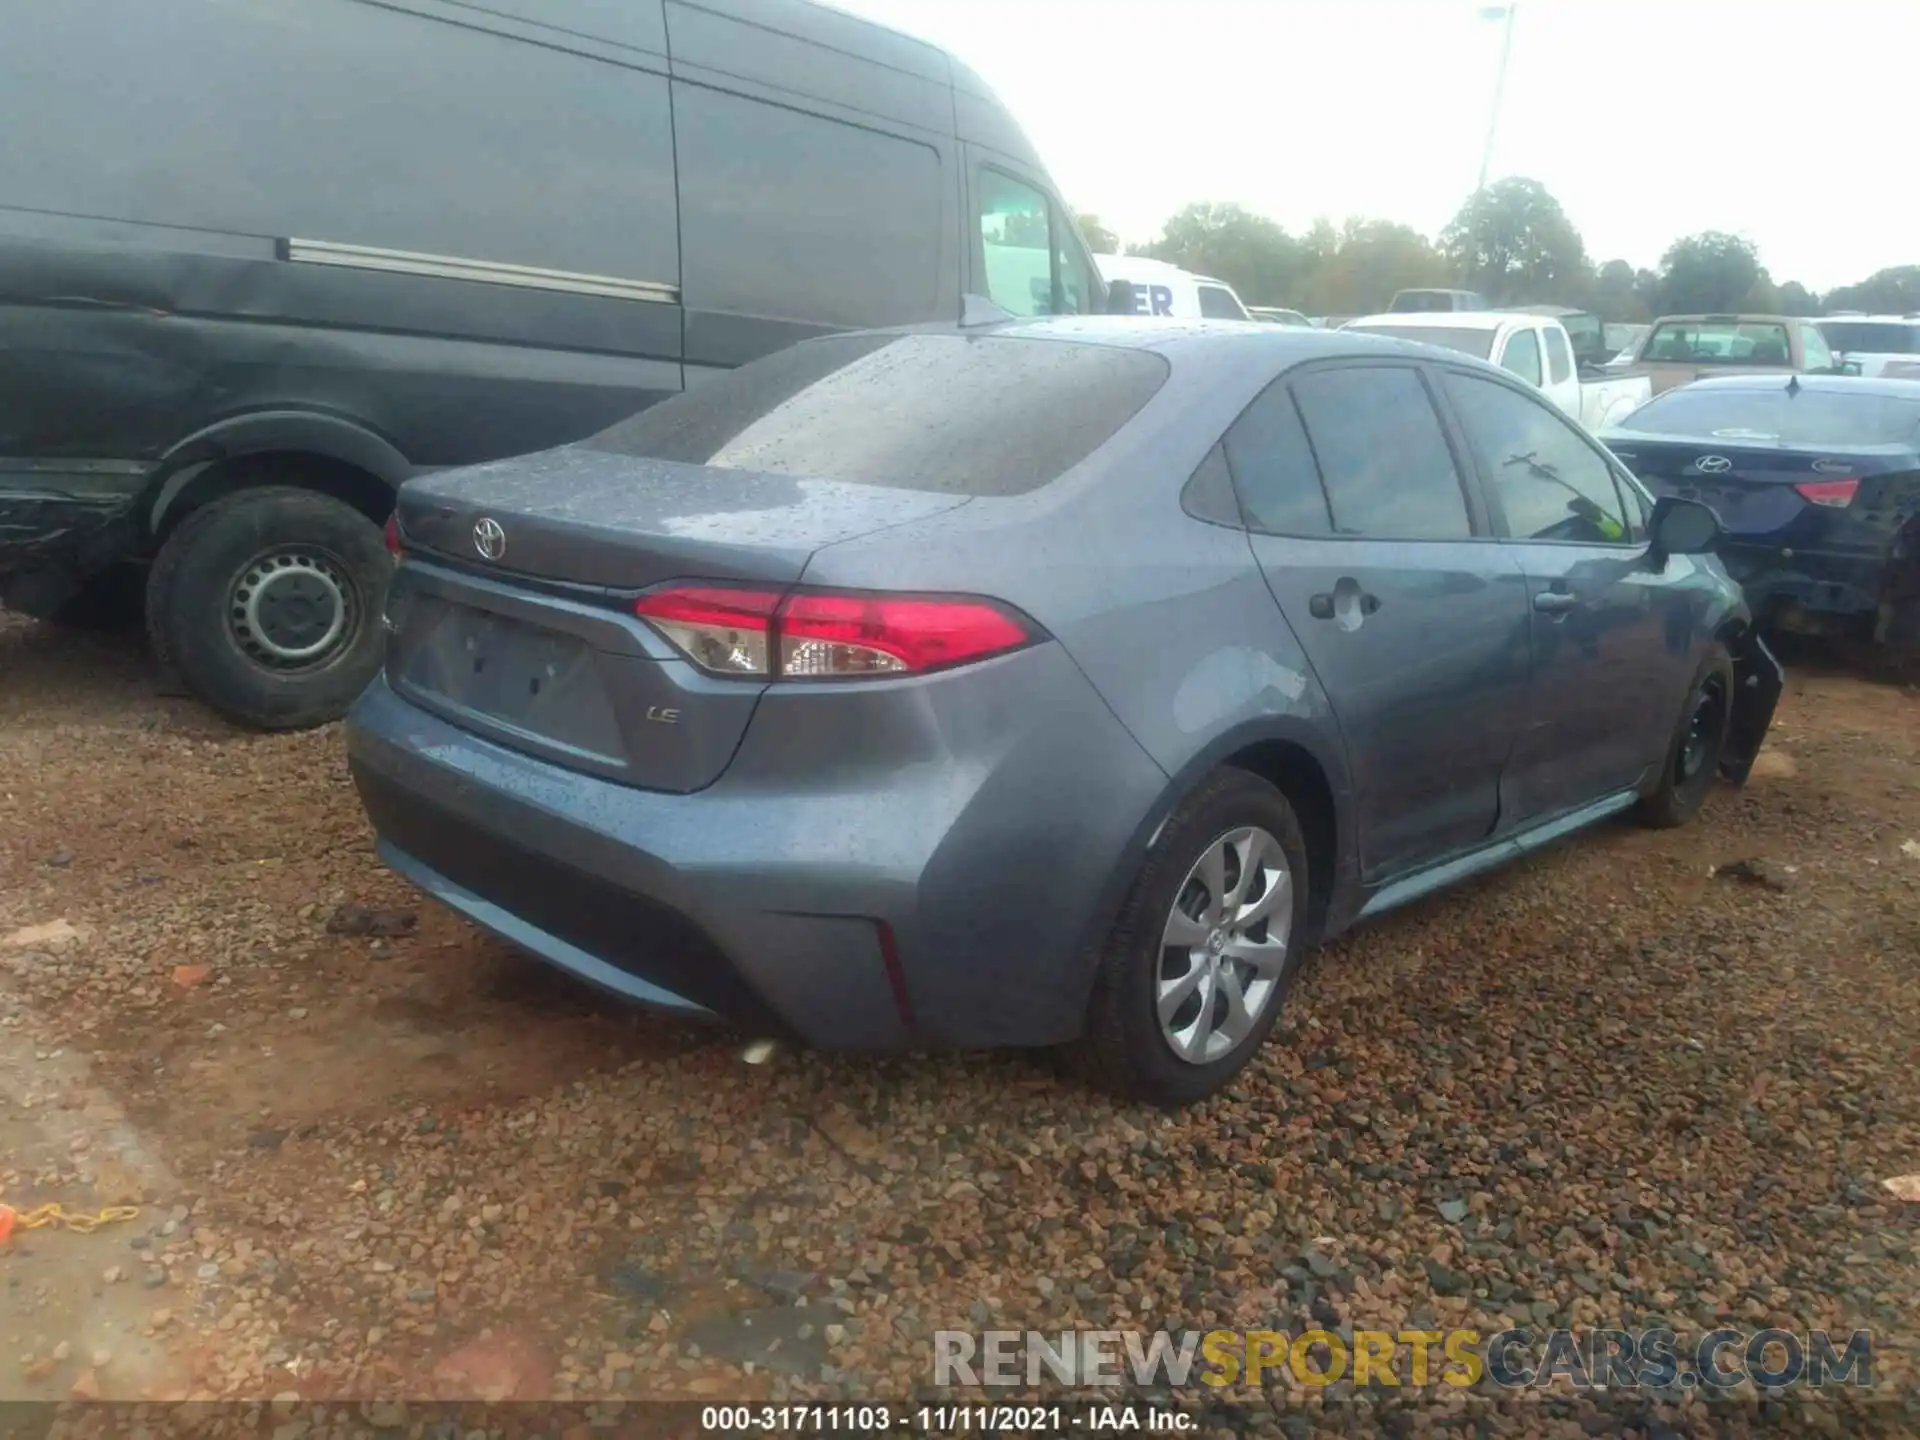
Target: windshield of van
[1477, 343]
[958, 414]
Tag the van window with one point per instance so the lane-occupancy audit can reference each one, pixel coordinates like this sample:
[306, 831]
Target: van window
[1384, 459]
[1217, 303]
[1522, 355]
[1033, 266]
[789, 216]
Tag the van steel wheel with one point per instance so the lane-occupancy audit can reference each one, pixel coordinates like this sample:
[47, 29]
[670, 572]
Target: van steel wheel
[267, 602]
[1195, 972]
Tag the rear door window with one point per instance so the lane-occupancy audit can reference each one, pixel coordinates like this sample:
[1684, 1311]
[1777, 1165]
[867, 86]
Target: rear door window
[957, 414]
[1522, 355]
[1273, 468]
[1551, 484]
[1382, 453]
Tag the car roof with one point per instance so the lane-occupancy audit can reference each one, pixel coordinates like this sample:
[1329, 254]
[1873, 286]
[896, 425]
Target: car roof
[1857, 319]
[1839, 384]
[1441, 319]
[1188, 340]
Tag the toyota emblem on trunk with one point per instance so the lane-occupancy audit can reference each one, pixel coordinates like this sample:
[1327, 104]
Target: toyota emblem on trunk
[1706, 465]
[489, 539]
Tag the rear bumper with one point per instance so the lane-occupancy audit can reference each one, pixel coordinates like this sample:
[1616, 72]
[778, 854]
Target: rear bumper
[1782, 582]
[934, 889]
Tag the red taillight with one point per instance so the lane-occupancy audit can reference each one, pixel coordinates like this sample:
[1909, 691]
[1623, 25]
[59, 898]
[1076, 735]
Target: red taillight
[393, 535]
[820, 636]
[1835, 493]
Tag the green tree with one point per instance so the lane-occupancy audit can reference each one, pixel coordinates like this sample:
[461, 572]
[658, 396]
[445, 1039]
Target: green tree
[1796, 299]
[1355, 269]
[1894, 291]
[1616, 294]
[1514, 244]
[1100, 240]
[1712, 272]
[1253, 254]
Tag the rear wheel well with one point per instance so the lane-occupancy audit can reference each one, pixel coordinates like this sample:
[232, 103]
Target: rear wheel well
[304, 470]
[1292, 770]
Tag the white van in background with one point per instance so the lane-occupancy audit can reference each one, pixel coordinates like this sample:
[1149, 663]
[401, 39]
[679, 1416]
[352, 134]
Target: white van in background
[1163, 289]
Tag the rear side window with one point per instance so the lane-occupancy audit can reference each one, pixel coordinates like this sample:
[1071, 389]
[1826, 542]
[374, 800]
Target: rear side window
[1383, 456]
[1273, 468]
[1522, 355]
[963, 415]
[1559, 357]
[1219, 304]
[766, 191]
[1551, 483]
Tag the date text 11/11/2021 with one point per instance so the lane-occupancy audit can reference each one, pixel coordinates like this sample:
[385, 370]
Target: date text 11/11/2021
[1096, 1419]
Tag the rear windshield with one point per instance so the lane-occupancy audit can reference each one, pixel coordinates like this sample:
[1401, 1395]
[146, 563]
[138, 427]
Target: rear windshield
[1871, 337]
[1424, 302]
[1466, 341]
[1829, 418]
[1720, 342]
[963, 415]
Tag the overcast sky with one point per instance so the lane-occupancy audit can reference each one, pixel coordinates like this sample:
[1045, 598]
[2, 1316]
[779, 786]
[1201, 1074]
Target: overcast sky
[1647, 119]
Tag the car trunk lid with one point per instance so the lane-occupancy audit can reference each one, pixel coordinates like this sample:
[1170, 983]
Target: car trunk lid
[512, 612]
[1756, 488]
[591, 517]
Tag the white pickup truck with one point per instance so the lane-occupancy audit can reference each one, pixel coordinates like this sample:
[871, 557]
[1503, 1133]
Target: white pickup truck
[1534, 347]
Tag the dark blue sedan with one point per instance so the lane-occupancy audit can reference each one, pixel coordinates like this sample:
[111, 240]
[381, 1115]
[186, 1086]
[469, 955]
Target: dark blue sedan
[1816, 480]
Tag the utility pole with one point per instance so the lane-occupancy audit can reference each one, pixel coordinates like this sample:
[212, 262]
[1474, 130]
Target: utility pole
[1504, 14]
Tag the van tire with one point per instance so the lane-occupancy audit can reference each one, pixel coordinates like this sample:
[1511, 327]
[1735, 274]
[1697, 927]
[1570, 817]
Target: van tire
[1687, 773]
[267, 606]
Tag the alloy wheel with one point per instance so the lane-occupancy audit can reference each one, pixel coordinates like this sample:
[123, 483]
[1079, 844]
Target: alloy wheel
[1223, 951]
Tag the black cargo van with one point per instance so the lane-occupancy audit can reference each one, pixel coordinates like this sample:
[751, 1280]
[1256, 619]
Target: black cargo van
[262, 261]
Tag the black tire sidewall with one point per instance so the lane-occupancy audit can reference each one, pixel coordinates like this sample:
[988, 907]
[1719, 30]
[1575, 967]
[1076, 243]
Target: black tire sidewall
[1674, 803]
[194, 577]
[1153, 1073]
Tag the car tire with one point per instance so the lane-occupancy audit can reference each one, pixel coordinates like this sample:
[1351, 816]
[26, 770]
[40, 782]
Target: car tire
[267, 605]
[1692, 761]
[1128, 1048]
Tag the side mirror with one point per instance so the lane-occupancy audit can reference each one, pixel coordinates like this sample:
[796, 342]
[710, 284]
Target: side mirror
[1682, 527]
[1120, 298]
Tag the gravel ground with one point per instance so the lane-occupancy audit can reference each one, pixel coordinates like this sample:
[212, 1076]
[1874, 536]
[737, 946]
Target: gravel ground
[1606, 1087]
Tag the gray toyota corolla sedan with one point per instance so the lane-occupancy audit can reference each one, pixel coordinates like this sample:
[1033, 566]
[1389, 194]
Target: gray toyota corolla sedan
[1039, 682]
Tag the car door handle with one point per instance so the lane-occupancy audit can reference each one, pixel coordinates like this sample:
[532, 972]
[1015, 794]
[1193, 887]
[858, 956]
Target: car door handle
[1555, 602]
[1320, 606]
